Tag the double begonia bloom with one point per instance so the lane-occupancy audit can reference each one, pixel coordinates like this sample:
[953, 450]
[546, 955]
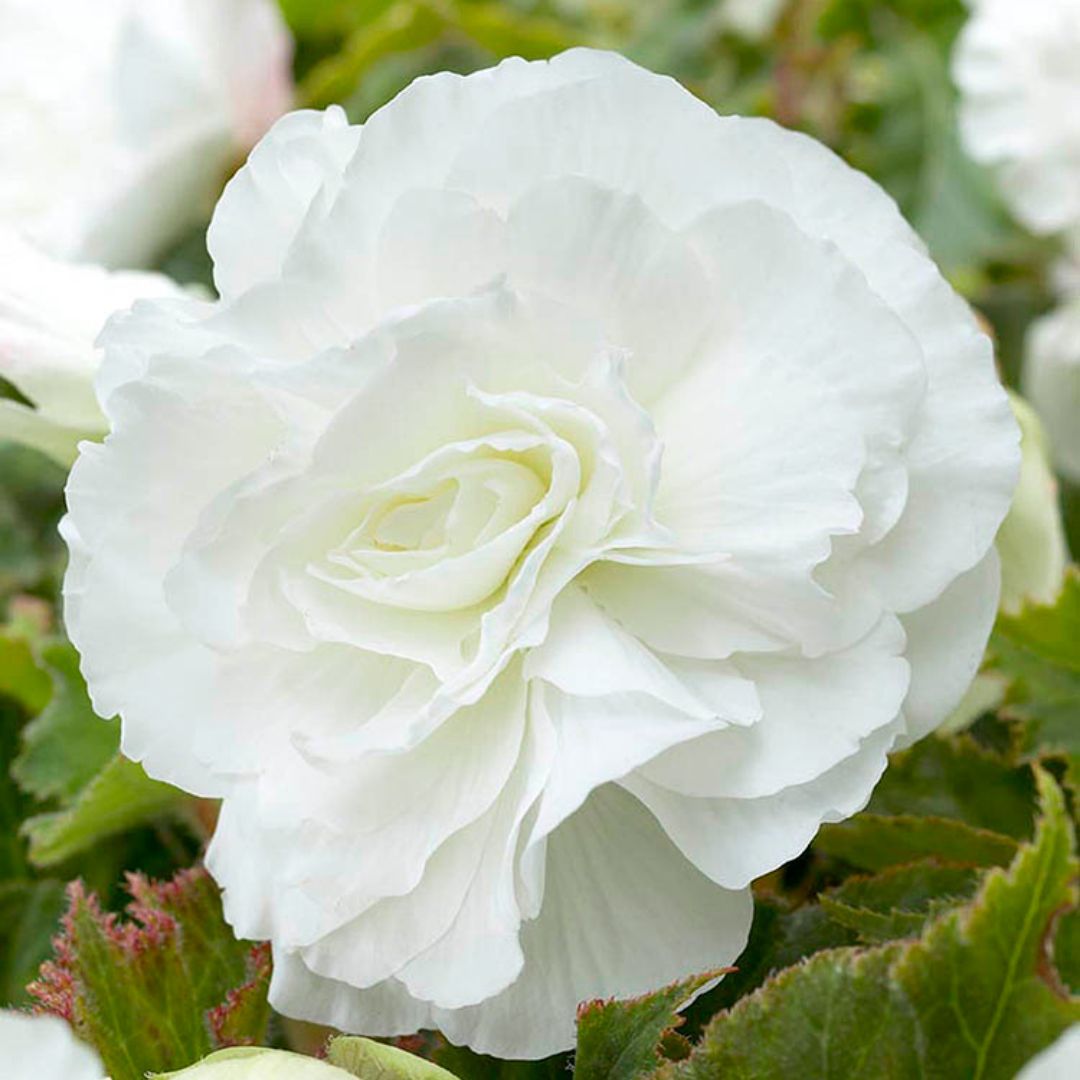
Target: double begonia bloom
[572, 498]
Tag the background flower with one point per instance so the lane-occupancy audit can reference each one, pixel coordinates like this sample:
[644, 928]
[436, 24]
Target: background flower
[44, 1048]
[751, 18]
[51, 313]
[557, 519]
[1015, 65]
[120, 119]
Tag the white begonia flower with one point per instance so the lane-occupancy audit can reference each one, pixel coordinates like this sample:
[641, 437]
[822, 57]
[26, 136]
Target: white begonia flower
[44, 1048]
[1059, 1061]
[1052, 382]
[572, 498]
[1015, 65]
[120, 119]
[255, 1063]
[51, 313]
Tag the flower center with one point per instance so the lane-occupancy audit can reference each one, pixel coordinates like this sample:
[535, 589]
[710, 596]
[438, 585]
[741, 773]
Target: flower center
[447, 534]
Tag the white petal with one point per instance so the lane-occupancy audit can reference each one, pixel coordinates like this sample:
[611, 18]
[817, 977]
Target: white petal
[623, 913]
[606, 254]
[815, 713]
[946, 642]
[301, 158]
[365, 829]
[43, 1047]
[736, 840]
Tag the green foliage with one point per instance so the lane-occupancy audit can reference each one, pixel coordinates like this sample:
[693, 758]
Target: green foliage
[467, 1065]
[973, 996]
[31, 502]
[959, 779]
[779, 938]
[154, 992]
[1039, 651]
[67, 745]
[897, 902]
[619, 1040]
[874, 842]
[383, 31]
[118, 798]
[376, 1061]
[21, 679]
[66, 787]
[29, 914]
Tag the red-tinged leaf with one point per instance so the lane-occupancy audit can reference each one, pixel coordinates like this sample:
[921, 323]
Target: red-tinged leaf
[245, 1012]
[621, 1040]
[146, 990]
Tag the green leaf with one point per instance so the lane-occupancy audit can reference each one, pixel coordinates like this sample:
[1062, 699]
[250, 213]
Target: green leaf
[621, 1040]
[29, 914]
[405, 25]
[31, 503]
[898, 902]
[1039, 652]
[778, 939]
[973, 997]
[376, 1061]
[1067, 950]
[245, 1009]
[120, 797]
[68, 744]
[957, 778]
[21, 679]
[503, 31]
[144, 991]
[874, 842]
[468, 1065]
[976, 979]
[835, 1015]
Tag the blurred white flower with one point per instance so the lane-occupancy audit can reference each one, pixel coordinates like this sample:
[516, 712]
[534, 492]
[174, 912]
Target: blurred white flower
[255, 1063]
[752, 19]
[44, 1048]
[1060, 1061]
[1052, 382]
[1031, 542]
[51, 313]
[120, 118]
[572, 498]
[1065, 274]
[1019, 79]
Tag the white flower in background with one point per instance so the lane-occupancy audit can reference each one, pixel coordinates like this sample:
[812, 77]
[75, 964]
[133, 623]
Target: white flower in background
[44, 1048]
[1065, 275]
[1031, 542]
[254, 1063]
[51, 313]
[1019, 79]
[119, 119]
[1052, 382]
[1060, 1061]
[752, 19]
[572, 498]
